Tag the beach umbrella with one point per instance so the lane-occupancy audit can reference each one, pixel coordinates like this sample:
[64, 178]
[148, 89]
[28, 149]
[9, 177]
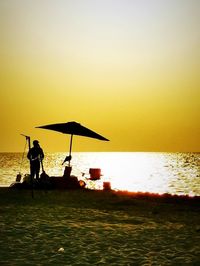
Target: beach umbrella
[73, 128]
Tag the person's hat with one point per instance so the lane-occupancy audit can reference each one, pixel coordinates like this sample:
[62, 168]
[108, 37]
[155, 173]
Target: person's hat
[35, 142]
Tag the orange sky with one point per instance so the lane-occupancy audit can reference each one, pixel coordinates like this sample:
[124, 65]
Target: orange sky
[128, 70]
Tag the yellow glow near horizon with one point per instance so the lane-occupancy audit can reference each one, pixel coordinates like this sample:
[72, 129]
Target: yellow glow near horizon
[126, 69]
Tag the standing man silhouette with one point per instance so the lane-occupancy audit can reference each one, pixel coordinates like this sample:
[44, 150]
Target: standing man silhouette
[35, 156]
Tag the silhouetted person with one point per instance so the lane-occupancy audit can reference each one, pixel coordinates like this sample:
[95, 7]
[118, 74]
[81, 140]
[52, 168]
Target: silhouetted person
[35, 155]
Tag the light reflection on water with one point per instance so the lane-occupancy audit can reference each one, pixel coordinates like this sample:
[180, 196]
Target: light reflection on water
[174, 173]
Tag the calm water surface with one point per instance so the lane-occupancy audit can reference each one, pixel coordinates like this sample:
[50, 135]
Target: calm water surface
[174, 173]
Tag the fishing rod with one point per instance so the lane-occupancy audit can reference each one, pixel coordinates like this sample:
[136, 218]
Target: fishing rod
[28, 139]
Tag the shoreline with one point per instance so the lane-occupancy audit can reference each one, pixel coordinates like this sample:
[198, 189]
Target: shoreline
[109, 197]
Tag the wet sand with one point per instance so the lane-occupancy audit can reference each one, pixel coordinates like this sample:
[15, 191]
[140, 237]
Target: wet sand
[98, 228]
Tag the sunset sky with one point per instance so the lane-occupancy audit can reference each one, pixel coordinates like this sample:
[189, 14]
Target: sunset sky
[127, 69]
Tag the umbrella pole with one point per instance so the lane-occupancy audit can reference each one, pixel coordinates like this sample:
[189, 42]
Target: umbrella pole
[70, 148]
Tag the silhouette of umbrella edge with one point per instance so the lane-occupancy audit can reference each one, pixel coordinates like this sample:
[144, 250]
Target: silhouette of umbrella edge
[73, 128]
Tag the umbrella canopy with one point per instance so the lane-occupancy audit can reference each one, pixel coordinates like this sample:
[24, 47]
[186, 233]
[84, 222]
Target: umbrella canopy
[73, 128]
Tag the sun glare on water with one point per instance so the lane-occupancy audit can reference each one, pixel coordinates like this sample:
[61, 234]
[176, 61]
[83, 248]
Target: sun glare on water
[132, 173]
[173, 173]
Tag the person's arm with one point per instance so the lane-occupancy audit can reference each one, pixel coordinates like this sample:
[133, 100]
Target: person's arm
[41, 154]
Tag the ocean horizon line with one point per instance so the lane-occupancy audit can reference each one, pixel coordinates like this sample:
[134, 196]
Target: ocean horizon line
[107, 151]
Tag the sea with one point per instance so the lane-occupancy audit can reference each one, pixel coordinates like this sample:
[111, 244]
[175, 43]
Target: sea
[153, 172]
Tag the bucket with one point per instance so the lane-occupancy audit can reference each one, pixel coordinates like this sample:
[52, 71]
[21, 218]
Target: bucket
[106, 186]
[67, 171]
[95, 173]
[18, 178]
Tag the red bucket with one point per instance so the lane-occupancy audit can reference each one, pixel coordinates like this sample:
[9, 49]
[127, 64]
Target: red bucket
[95, 173]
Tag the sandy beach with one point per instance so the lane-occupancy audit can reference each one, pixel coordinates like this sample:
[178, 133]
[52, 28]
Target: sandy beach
[97, 228]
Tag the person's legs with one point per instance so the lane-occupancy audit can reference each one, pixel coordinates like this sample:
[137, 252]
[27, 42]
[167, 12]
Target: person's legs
[32, 171]
[37, 169]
